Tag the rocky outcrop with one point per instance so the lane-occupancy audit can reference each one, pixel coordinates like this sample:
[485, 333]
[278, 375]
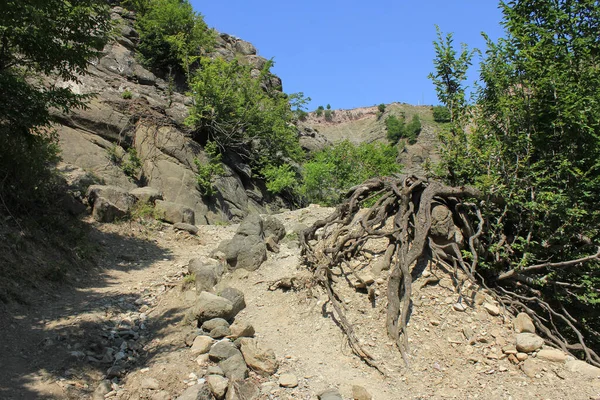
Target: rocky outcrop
[136, 110]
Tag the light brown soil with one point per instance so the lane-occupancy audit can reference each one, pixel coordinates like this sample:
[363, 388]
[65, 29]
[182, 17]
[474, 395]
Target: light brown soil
[142, 269]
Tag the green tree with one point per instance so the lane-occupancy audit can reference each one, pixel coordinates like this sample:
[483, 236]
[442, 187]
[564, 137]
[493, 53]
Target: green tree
[172, 34]
[40, 42]
[232, 109]
[398, 129]
[534, 141]
[332, 171]
[441, 114]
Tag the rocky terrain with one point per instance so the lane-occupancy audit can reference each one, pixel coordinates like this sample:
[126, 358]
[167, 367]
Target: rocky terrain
[173, 315]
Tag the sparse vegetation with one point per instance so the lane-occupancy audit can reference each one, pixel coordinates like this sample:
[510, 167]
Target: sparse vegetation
[207, 173]
[319, 111]
[127, 94]
[398, 129]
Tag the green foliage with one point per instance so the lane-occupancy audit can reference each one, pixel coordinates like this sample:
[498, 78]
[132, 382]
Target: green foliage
[381, 108]
[332, 171]
[54, 38]
[131, 164]
[127, 95]
[208, 172]
[329, 106]
[319, 111]
[329, 115]
[232, 109]
[398, 129]
[172, 34]
[441, 114]
[280, 179]
[533, 140]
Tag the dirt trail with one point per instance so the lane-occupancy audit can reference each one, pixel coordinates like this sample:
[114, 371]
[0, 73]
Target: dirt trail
[57, 348]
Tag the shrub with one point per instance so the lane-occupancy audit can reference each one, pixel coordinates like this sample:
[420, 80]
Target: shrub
[328, 115]
[280, 179]
[207, 172]
[441, 114]
[319, 111]
[127, 95]
[329, 106]
[131, 163]
[332, 171]
[381, 108]
[398, 129]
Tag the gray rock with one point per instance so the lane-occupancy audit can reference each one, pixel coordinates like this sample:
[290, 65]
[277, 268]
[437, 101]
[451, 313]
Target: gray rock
[246, 390]
[220, 332]
[236, 297]
[103, 388]
[235, 367]
[208, 273]
[330, 394]
[252, 225]
[214, 323]
[271, 244]
[209, 306]
[214, 370]
[146, 194]
[189, 228]
[273, 226]
[222, 350]
[529, 342]
[109, 202]
[197, 392]
[246, 252]
[245, 48]
[217, 385]
[174, 212]
[523, 324]
[260, 359]
[241, 329]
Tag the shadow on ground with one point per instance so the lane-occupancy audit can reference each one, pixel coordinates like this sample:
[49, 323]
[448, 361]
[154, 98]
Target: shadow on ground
[60, 343]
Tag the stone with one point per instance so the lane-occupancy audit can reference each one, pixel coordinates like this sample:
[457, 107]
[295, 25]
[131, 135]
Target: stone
[330, 394]
[182, 226]
[208, 273]
[273, 227]
[105, 211]
[235, 368]
[258, 358]
[479, 298]
[241, 329]
[492, 309]
[530, 368]
[245, 48]
[217, 385]
[160, 395]
[509, 349]
[360, 393]
[146, 194]
[247, 390]
[201, 345]
[209, 306]
[583, 369]
[528, 342]
[252, 225]
[236, 297]
[522, 356]
[288, 380]
[271, 244]
[222, 350]
[246, 252]
[553, 355]
[196, 392]
[220, 332]
[214, 323]
[523, 324]
[103, 388]
[459, 307]
[173, 212]
[214, 370]
[150, 383]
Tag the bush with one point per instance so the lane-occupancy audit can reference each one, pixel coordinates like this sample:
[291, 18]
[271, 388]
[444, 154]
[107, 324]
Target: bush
[328, 115]
[280, 179]
[381, 108]
[319, 111]
[332, 171]
[232, 109]
[441, 114]
[172, 34]
[207, 172]
[398, 129]
[127, 95]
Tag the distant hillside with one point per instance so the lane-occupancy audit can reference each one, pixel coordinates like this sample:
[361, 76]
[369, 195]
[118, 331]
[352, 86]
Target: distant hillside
[363, 125]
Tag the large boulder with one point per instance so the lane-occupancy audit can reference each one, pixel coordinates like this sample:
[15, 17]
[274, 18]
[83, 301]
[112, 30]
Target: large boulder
[207, 272]
[146, 194]
[236, 297]
[209, 306]
[109, 202]
[273, 227]
[247, 248]
[174, 213]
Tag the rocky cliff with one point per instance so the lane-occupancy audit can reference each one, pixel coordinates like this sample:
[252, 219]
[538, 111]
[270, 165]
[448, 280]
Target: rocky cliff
[133, 134]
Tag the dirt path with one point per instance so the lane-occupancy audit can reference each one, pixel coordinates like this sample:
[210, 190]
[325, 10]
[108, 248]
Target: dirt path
[133, 305]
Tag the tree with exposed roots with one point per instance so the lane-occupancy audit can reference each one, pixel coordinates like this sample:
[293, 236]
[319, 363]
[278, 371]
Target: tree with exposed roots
[520, 176]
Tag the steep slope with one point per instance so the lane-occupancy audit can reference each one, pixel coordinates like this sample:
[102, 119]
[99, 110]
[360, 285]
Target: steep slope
[366, 124]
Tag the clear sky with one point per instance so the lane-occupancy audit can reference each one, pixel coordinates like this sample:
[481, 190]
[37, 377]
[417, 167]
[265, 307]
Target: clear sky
[354, 53]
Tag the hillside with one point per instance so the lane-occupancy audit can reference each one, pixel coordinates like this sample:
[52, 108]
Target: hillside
[364, 124]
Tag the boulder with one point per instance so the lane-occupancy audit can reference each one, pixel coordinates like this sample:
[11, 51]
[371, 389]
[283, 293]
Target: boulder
[246, 390]
[222, 350]
[189, 228]
[258, 358]
[146, 194]
[208, 273]
[252, 225]
[553, 355]
[234, 367]
[273, 227]
[523, 324]
[529, 342]
[117, 196]
[209, 306]
[174, 212]
[220, 332]
[246, 252]
[241, 329]
[201, 345]
[217, 385]
[236, 297]
[245, 48]
[214, 323]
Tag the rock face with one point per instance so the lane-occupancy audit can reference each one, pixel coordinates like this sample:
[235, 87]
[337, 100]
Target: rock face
[99, 139]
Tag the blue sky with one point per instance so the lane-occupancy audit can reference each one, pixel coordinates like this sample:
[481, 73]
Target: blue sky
[354, 53]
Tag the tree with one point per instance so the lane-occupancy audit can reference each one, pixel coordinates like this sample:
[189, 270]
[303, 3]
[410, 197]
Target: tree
[42, 42]
[533, 139]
